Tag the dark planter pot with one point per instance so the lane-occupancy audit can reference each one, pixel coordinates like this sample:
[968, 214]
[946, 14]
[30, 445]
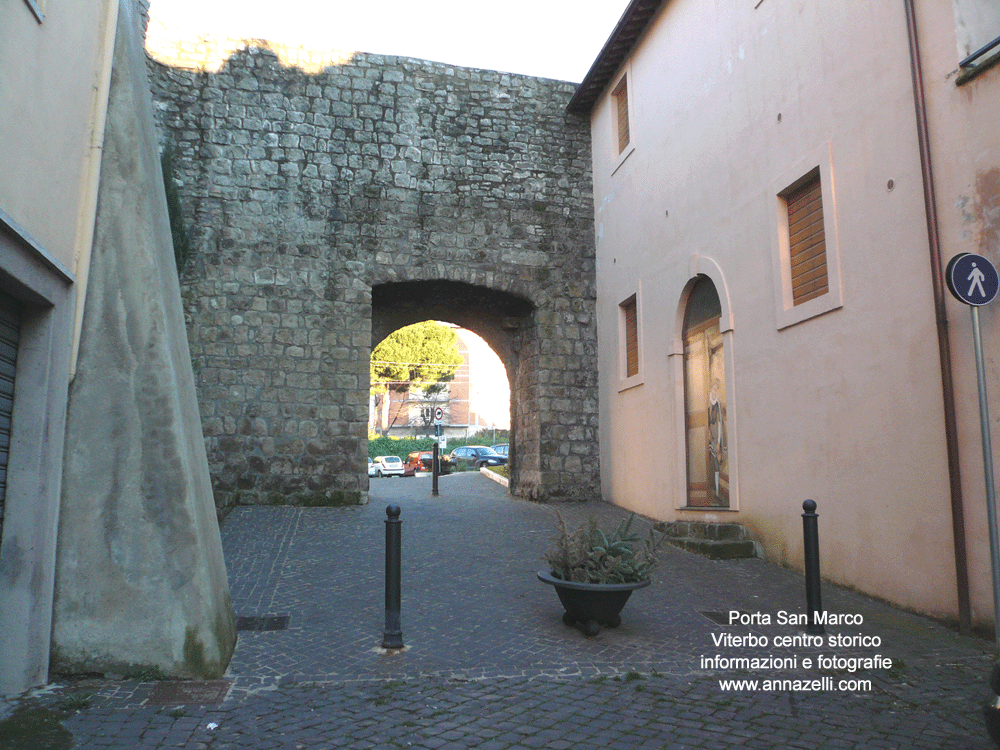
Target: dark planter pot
[991, 709]
[591, 605]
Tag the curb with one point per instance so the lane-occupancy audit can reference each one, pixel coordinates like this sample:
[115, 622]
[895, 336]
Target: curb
[495, 477]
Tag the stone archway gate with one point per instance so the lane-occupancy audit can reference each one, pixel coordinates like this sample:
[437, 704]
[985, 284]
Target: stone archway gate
[308, 181]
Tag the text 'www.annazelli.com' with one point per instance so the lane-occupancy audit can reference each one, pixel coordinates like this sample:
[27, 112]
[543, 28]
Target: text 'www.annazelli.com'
[820, 684]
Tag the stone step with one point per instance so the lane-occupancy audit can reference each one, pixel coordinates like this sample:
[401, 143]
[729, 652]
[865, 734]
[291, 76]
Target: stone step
[700, 530]
[718, 541]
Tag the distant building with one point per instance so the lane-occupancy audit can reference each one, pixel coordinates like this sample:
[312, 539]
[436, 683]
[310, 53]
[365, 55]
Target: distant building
[477, 398]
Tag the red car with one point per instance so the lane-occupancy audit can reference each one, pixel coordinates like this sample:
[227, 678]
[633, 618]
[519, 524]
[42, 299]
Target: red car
[421, 461]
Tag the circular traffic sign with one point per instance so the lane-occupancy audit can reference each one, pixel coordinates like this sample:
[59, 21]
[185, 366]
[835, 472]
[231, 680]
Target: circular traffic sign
[438, 414]
[972, 279]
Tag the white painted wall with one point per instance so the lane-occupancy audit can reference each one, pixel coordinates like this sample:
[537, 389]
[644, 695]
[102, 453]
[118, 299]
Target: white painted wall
[53, 92]
[965, 144]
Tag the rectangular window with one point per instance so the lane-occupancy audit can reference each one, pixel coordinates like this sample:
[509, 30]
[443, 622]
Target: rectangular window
[806, 239]
[630, 317]
[805, 256]
[621, 104]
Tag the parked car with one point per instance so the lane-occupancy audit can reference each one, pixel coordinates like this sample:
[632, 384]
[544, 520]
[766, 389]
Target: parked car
[388, 466]
[476, 457]
[372, 467]
[503, 449]
[423, 461]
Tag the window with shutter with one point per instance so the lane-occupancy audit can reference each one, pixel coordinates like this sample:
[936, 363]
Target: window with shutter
[621, 102]
[629, 343]
[805, 256]
[807, 240]
[631, 338]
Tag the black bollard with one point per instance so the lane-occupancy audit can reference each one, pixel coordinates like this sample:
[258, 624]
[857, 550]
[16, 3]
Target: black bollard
[435, 470]
[810, 537]
[392, 636]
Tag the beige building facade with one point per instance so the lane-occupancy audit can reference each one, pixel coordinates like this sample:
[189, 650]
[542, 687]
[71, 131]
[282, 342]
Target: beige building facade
[777, 190]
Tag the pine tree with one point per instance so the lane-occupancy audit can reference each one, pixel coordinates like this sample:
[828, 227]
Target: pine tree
[423, 355]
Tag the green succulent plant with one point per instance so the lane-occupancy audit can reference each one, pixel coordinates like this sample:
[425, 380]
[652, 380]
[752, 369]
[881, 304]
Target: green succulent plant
[588, 555]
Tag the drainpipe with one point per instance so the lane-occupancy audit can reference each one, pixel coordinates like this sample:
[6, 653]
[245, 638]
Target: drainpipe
[941, 314]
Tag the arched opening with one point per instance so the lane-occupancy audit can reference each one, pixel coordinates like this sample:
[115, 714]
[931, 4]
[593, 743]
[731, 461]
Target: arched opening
[496, 316]
[435, 365]
[506, 323]
[705, 408]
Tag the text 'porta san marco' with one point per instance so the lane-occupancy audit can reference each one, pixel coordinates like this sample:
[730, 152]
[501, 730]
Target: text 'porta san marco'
[793, 618]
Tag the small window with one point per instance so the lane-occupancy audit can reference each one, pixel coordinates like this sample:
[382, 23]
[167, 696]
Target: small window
[805, 256]
[630, 317]
[806, 239]
[621, 107]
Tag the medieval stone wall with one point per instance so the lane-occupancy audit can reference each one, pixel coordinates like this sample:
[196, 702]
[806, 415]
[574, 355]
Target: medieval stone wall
[310, 179]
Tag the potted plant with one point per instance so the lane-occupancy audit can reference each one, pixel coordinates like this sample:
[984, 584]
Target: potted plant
[594, 574]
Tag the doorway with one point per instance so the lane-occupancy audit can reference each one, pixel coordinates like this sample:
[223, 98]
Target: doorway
[705, 417]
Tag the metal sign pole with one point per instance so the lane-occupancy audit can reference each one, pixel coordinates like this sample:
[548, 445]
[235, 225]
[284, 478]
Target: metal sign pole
[991, 495]
[974, 280]
[436, 460]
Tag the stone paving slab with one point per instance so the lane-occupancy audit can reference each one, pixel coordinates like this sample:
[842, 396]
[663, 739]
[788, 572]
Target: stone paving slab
[489, 664]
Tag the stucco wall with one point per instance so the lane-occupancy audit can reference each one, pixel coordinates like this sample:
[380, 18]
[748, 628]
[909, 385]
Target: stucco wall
[140, 578]
[51, 70]
[965, 147]
[844, 406]
[308, 178]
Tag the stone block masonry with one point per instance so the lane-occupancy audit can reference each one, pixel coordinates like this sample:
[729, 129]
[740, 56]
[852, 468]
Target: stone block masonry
[331, 197]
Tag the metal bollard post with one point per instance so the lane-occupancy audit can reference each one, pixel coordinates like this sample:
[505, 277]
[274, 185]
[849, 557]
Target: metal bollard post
[392, 636]
[435, 470]
[810, 538]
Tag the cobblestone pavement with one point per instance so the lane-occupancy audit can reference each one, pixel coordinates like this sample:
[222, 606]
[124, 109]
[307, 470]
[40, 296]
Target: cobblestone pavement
[489, 664]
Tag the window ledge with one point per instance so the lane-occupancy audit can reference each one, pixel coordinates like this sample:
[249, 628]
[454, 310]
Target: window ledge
[628, 383]
[36, 8]
[811, 309]
[622, 157]
[971, 71]
[712, 508]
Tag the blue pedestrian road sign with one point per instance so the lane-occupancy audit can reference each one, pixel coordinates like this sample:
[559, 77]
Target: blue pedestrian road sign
[972, 279]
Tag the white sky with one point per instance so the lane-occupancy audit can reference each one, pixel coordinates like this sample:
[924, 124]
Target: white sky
[548, 38]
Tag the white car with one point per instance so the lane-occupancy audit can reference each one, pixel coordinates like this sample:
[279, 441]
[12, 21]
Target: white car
[388, 466]
[372, 467]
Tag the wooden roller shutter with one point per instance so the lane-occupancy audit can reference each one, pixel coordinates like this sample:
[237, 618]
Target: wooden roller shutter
[807, 241]
[10, 325]
[621, 99]
[631, 338]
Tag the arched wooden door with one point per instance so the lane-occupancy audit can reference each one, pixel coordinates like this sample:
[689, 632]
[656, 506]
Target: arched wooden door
[705, 399]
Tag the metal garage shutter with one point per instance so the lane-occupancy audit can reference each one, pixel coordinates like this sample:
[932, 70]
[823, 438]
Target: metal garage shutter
[10, 325]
